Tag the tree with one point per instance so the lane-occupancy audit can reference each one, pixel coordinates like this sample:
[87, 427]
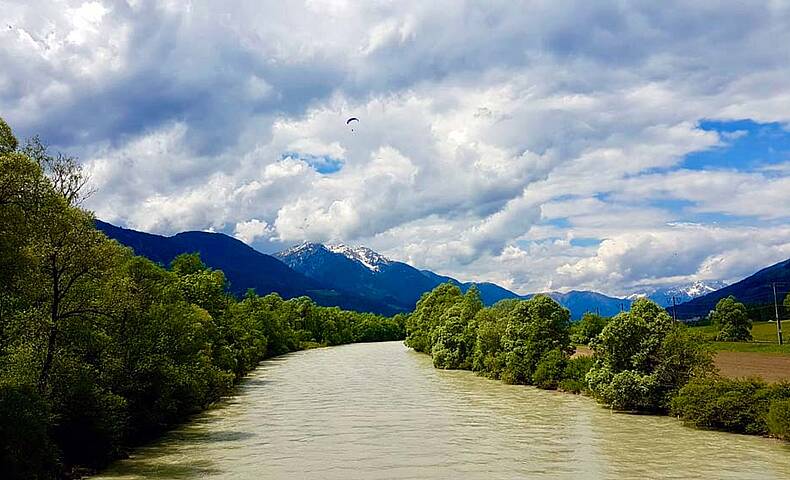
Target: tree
[427, 316]
[732, 321]
[642, 358]
[534, 328]
[8, 141]
[586, 329]
[488, 358]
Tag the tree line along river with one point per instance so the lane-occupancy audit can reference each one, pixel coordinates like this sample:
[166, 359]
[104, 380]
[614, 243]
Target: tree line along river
[380, 410]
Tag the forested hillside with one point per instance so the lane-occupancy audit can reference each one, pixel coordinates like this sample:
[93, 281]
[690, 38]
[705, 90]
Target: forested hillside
[101, 349]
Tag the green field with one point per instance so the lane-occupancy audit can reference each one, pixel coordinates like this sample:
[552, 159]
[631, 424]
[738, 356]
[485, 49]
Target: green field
[764, 334]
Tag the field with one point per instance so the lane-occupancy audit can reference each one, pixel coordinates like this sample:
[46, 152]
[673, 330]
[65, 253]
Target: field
[763, 357]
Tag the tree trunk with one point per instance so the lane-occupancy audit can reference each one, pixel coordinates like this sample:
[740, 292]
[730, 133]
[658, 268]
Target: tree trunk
[43, 378]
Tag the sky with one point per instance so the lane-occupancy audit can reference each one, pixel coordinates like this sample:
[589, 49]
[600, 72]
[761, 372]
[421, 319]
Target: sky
[541, 145]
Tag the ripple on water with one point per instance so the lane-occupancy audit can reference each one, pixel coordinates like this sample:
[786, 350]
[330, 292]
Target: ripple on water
[382, 411]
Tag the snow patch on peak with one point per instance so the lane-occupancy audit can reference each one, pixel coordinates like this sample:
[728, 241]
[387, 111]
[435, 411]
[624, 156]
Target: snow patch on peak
[363, 255]
[304, 247]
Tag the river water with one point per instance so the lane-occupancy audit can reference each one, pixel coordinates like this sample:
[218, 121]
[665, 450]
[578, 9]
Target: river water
[380, 410]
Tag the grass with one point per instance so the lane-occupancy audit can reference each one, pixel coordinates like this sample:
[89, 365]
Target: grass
[764, 334]
[754, 347]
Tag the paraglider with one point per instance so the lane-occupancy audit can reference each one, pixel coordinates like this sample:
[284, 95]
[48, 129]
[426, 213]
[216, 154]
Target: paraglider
[352, 119]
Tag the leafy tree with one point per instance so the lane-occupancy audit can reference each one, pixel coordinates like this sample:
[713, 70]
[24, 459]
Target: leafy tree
[642, 358]
[589, 327]
[488, 357]
[8, 142]
[534, 328]
[427, 316]
[732, 321]
[453, 340]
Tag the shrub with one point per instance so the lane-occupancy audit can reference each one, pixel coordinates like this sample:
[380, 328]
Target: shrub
[778, 419]
[573, 378]
[550, 369]
[572, 386]
[734, 405]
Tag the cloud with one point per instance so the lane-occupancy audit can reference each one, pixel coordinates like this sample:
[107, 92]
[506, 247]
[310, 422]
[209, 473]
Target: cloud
[490, 136]
[249, 231]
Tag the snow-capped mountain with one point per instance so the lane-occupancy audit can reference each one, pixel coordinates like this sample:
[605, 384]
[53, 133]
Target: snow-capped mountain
[683, 293]
[366, 257]
[364, 271]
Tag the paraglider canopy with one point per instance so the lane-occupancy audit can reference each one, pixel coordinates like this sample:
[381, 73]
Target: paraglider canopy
[352, 119]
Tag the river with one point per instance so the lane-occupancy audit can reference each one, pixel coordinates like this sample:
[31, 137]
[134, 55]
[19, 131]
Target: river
[380, 410]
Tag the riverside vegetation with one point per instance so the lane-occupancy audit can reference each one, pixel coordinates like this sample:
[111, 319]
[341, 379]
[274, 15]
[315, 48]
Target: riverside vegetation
[642, 360]
[101, 349]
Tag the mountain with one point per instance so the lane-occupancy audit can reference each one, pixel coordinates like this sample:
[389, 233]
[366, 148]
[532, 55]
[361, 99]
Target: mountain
[753, 289]
[360, 269]
[244, 267]
[683, 293]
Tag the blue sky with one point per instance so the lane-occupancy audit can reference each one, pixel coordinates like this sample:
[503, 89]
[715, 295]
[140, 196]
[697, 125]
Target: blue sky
[612, 146]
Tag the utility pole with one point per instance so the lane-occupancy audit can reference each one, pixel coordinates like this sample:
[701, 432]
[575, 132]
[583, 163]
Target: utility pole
[674, 310]
[778, 322]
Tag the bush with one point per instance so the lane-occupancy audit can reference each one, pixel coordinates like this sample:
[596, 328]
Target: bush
[778, 419]
[573, 378]
[733, 405]
[550, 369]
[572, 386]
[632, 391]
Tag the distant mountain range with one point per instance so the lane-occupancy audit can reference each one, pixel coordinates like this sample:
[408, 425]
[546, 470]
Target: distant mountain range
[681, 293]
[244, 267]
[754, 289]
[359, 278]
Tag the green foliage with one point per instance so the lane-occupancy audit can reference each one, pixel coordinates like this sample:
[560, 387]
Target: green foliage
[100, 349]
[550, 370]
[454, 338]
[586, 329]
[734, 405]
[574, 376]
[731, 320]
[509, 340]
[488, 358]
[642, 358]
[427, 316]
[8, 142]
[778, 419]
[534, 328]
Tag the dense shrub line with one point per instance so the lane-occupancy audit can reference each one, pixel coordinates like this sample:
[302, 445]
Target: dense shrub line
[642, 360]
[100, 349]
[517, 341]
